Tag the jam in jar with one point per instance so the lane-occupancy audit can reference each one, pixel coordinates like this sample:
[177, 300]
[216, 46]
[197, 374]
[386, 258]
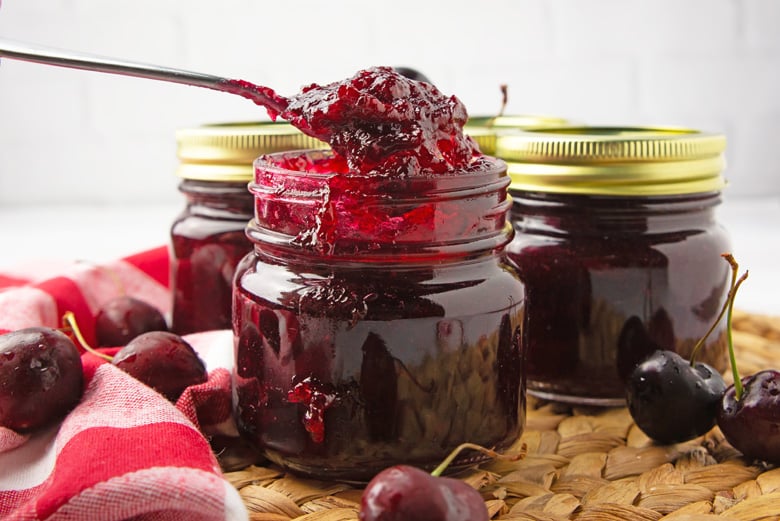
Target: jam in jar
[619, 250]
[377, 321]
[208, 237]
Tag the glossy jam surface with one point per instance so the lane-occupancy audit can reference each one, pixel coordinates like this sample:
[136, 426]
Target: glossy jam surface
[378, 122]
[609, 280]
[343, 371]
[208, 240]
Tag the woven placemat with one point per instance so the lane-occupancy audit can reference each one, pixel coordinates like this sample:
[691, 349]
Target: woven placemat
[582, 463]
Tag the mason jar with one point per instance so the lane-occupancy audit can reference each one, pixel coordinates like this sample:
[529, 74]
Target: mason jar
[376, 321]
[208, 239]
[619, 248]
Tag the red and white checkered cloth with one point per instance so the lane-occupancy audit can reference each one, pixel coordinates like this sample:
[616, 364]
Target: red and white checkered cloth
[124, 452]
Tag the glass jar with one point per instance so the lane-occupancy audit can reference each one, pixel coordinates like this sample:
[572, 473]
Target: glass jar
[376, 321]
[620, 252]
[208, 237]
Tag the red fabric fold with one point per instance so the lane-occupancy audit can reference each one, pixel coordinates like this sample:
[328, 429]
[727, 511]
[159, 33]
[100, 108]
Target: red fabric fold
[124, 452]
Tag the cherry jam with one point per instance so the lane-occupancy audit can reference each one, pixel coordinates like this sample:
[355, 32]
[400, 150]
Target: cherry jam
[377, 321]
[208, 237]
[619, 248]
[208, 240]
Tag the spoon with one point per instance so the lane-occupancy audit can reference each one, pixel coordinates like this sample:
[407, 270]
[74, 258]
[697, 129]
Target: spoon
[262, 96]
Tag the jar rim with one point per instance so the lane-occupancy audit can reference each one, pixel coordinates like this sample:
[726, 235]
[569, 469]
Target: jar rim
[333, 214]
[270, 163]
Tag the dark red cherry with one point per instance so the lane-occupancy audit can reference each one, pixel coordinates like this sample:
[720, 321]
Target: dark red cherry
[412, 74]
[404, 493]
[752, 422]
[163, 361]
[671, 400]
[123, 318]
[41, 377]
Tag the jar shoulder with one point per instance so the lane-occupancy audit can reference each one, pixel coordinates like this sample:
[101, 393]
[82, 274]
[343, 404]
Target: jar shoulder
[437, 290]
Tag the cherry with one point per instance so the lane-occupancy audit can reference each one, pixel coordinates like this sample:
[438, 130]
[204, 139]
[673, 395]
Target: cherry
[412, 74]
[163, 361]
[41, 377]
[671, 400]
[751, 421]
[749, 414]
[406, 493]
[160, 359]
[123, 318]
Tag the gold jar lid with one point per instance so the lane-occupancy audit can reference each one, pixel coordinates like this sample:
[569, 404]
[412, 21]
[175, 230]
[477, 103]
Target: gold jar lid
[225, 151]
[631, 161]
[485, 129]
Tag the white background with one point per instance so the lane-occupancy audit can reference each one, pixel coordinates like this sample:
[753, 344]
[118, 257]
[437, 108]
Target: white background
[87, 160]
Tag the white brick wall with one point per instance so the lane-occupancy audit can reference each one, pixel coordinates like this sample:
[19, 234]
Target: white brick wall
[85, 137]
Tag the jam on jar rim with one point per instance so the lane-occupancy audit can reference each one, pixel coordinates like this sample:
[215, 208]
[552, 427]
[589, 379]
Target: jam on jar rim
[629, 161]
[303, 202]
[464, 184]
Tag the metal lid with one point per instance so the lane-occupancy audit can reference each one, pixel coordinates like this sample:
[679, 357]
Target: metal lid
[225, 151]
[638, 161]
[485, 129]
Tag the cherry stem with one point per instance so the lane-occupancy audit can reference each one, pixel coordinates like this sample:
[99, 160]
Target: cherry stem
[463, 446]
[732, 358]
[69, 322]
[734, 269]
[504, 99]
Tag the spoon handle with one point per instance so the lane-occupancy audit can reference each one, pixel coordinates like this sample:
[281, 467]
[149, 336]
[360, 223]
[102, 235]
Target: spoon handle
[78, 60]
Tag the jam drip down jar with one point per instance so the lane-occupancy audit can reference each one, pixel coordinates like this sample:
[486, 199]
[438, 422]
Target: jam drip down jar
[376, 321]
[208, 237]
[620, 252]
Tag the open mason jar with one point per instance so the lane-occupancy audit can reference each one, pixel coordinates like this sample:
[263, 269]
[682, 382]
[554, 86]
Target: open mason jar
[619, 249]
[376, 321]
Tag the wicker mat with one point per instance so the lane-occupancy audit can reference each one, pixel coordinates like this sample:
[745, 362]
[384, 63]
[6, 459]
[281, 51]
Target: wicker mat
[583, 464]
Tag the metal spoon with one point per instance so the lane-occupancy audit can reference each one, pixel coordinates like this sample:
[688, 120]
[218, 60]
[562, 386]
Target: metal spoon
[77, 60]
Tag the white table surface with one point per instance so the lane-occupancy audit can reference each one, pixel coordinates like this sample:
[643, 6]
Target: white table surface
[37, 235]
